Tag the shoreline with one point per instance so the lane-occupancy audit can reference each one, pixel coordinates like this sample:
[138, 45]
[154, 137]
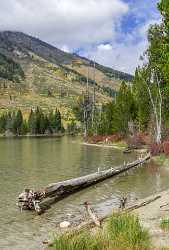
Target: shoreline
[150, 211]
[116, 146]
[32, 136]
[151, 215]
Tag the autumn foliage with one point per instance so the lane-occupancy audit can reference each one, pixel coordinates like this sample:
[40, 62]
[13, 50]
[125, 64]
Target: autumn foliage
[104, 138]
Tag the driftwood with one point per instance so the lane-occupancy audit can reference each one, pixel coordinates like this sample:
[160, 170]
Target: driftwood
[165, 205]
[123, 201]
[91, 224]
[142, 204]
[102, 219]
[92, 214]
[41, 200]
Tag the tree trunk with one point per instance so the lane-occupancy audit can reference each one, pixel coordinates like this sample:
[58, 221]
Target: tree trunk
[56, 191]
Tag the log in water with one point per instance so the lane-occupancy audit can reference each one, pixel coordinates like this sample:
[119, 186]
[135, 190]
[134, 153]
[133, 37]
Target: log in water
[41, 200]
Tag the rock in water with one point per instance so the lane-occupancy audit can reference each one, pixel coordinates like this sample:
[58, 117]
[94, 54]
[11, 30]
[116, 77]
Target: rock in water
[64, 224]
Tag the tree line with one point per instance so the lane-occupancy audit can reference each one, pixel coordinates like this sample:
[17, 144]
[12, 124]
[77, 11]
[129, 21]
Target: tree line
[38, 122]
[142, 105]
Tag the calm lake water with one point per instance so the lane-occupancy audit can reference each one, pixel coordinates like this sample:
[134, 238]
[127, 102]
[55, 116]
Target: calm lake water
[36, 162]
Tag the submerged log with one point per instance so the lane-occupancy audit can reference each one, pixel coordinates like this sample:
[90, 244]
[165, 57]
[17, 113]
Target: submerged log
[41, 200]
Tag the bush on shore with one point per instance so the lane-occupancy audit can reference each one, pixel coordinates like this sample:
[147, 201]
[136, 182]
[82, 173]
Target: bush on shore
[157, 149]
[123, 231]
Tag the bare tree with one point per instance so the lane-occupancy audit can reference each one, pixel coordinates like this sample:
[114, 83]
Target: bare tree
[157, 107]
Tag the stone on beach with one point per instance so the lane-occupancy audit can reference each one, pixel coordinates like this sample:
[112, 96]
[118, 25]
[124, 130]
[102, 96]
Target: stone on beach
[64, 224]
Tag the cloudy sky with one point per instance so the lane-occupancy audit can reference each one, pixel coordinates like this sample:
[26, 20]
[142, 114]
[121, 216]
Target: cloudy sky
[113, 32]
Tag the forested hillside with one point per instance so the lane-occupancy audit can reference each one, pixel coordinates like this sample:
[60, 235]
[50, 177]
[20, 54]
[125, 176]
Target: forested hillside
[34, 73]
[10, 70]
[143, 106]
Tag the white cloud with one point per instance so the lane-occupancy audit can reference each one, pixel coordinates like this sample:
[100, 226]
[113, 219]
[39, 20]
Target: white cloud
[71, 22]
[103, 47]
[125, 54]
[65, 48]
[93, 25]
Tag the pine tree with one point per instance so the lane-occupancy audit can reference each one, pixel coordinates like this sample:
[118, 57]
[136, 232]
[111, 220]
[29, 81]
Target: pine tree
[52, 125]
[3, 123]
[142, 100]
[18, 121]
[42, 127]
[58, 120]
[8, 124]
[125, 109]
[32, 122]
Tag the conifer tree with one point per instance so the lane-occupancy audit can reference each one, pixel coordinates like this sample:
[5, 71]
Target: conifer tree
[58, 120]
[125, 109]
[18, 121]
[142, 100]
[32, 122]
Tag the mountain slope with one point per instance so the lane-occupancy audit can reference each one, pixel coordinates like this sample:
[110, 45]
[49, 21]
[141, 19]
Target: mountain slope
[40, 74]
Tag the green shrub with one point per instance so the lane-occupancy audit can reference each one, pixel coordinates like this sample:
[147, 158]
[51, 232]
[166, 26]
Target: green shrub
[126, 228]
[77, 241]
[123, 232]
[164, 224]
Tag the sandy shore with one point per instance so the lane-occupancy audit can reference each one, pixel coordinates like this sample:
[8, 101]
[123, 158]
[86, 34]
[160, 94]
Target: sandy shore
[104, 145]
[116, 146]
[150, 216]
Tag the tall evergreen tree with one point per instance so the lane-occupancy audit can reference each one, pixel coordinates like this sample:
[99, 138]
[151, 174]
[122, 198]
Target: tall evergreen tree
[32, 122]
[125, 109]
[58, 120]
[142, 100]
[18, 121]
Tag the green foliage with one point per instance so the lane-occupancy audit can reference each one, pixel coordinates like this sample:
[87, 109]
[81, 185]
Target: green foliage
[122, 232]
[58, 122]
[142, 100]
[164, 224]
[125, 108]
[111, 92]
[10, 70]
[37, 123]
[112, 117]
[32, 122]
[80, 241]
[72, 127]
[18, 122]
[126, 228]
[134, 105]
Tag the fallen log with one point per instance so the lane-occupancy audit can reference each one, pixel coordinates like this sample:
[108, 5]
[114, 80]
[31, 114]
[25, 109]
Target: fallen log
[41, 200]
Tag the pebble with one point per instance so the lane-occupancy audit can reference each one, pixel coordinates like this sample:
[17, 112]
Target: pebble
[64, 224]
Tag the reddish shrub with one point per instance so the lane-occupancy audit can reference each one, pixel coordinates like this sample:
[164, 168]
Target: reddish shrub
[138, 140]
[156, 149]
[166, 147]
[114, 138]
[104, 138]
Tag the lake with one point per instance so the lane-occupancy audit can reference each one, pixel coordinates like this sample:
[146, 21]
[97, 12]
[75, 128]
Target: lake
[37, 162]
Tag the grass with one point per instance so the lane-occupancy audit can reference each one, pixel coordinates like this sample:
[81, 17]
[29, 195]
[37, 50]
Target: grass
[122, 231]
[164, 224]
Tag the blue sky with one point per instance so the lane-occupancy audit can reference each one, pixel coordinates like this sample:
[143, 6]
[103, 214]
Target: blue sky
[112, 32]
[130, 41]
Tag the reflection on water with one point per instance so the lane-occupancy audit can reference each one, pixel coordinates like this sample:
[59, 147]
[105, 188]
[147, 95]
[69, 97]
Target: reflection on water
[36, 162]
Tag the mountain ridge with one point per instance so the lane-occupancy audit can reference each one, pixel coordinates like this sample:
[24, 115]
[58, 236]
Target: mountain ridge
[47, 76]
[60, 57]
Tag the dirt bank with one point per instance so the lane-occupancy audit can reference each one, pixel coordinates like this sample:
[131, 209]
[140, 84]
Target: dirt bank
[150, 216]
